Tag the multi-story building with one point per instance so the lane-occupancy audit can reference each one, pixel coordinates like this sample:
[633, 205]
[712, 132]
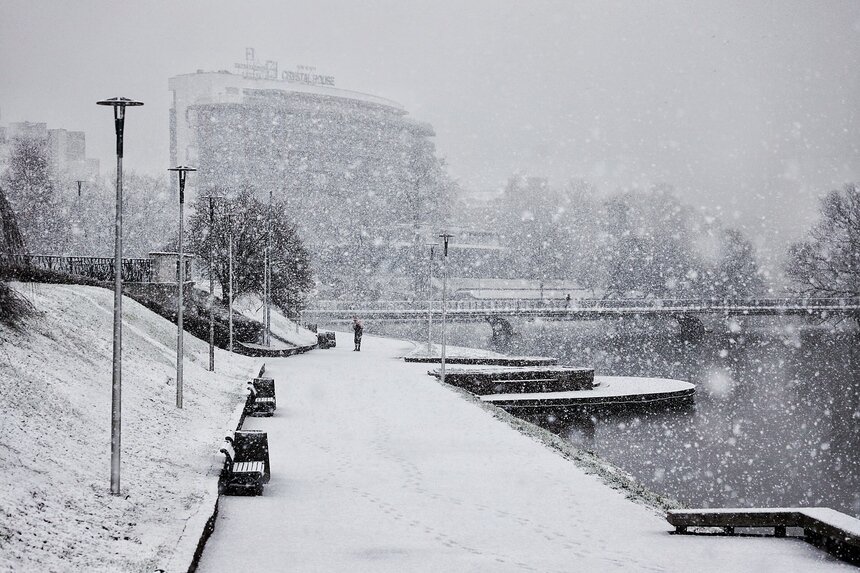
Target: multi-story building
[354, 170]
[66, 150]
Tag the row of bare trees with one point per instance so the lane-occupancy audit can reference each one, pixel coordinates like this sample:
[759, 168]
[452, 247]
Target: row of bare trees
[630, 243]
[827, 262]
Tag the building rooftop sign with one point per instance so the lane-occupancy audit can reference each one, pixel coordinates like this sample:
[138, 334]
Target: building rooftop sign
[269, 71]
[252, 69]
[307, 75]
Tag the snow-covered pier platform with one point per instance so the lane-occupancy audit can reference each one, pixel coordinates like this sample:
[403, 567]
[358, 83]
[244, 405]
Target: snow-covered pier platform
[378, 467]
[606, 391]
[487, 360]
[496, 379]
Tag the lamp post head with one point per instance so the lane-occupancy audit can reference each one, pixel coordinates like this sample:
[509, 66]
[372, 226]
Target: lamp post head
[119, 104]
[445, 237]
[182, 170]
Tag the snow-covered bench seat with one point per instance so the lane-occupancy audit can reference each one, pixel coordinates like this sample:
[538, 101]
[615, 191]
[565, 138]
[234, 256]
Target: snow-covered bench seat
[245, 475]
[835, 532]
[261, 399]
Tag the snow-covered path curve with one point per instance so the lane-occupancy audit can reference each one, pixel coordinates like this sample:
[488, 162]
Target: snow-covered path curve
[378, 467]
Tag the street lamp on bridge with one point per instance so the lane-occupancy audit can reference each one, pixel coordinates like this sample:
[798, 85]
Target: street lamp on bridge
[430, 302]
[119, 104]
[445, 237]
[182, 172]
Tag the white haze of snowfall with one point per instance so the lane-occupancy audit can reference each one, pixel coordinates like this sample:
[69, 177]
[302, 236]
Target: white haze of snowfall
[745, 107]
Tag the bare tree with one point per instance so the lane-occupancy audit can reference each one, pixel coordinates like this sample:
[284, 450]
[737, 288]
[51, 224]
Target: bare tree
[245, 219]
[11, 240]
[31, 191]
[737, 273]
[828, 262]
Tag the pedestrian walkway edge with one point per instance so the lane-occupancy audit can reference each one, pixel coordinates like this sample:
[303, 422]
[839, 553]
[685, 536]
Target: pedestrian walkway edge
[200, 525]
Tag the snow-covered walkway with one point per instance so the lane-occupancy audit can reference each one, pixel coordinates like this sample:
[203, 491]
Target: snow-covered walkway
[378, 467]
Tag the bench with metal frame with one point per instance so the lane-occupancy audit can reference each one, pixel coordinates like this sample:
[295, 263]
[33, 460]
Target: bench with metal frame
[243, 475]
[261, 397]
[246, 463]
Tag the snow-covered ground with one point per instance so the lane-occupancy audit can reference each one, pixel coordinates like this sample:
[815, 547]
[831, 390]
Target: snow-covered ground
[605, 387]
[56, 510]
[282, 327]
[376, 466]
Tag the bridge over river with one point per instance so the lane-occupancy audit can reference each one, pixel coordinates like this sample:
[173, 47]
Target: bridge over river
[498, 312]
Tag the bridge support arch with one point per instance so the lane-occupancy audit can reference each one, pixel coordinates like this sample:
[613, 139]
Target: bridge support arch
[503, 331]
[692, 328]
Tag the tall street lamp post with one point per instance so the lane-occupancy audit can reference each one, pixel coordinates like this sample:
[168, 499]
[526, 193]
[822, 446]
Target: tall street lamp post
[229, 202]
[212, 241]
[430, 302]
[211, 284]
[267, 276]
[230, 280]
[119, 104]
[182, 172]
[77, 219]
[445, 237]
[230, 270]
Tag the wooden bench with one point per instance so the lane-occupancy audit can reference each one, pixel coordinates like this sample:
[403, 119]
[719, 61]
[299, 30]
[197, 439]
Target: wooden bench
[261, 397]
[835, 532]
[326, 339]
[240, 474]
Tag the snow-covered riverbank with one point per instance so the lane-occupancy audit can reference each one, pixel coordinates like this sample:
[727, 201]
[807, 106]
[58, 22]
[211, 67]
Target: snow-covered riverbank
[376, 466]
[56, 510]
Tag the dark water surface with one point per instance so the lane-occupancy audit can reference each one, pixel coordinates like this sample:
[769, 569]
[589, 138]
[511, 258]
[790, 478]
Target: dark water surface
[776, 420]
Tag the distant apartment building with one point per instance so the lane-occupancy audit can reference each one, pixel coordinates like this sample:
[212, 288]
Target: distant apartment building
[334, 155]
[67, 150]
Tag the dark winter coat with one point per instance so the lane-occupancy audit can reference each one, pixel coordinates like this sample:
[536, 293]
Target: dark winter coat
[358, 329]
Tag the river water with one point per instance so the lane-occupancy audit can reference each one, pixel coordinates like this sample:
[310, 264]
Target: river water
[776, 420]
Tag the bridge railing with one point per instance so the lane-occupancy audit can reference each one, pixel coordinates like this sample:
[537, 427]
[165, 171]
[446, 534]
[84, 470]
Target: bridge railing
[574, 305]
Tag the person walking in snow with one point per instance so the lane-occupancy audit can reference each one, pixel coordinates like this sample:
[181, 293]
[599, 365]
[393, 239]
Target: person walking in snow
[358, 328]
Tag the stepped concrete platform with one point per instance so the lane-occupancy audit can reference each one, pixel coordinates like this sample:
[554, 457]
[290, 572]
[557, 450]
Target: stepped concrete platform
[606, 391]
[510, 379]
[378, 467]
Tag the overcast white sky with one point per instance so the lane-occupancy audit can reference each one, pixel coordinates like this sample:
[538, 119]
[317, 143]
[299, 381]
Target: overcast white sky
[749, 105]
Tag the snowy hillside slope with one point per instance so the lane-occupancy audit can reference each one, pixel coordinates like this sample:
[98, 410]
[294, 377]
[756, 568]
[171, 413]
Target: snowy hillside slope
[282, 327]
[56, 510]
